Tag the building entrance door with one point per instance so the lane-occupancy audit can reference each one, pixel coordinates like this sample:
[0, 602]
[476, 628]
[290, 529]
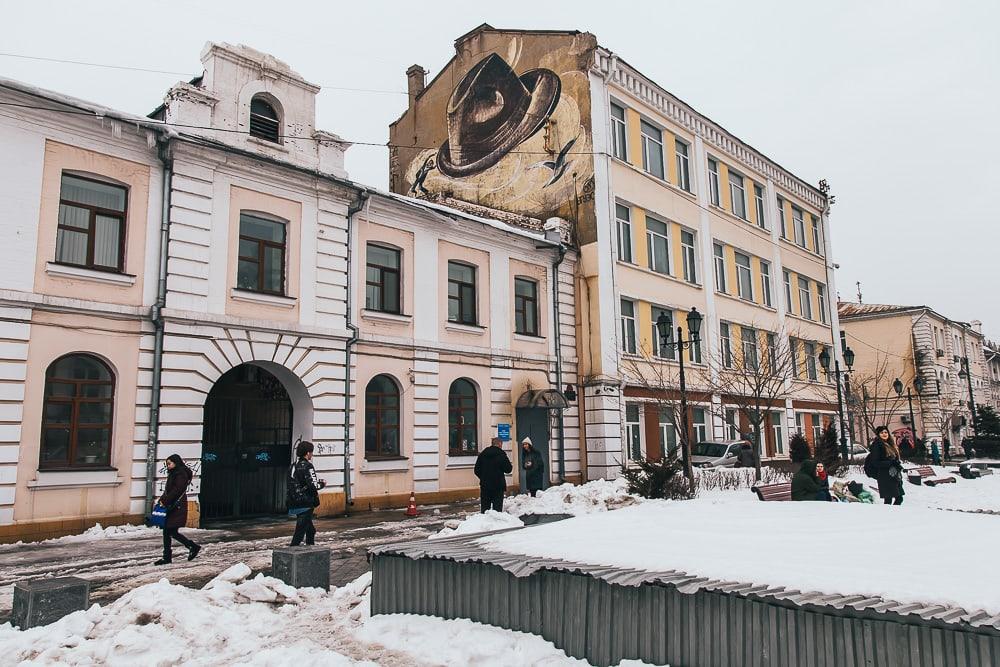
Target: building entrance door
[532, 423]
[246, 445]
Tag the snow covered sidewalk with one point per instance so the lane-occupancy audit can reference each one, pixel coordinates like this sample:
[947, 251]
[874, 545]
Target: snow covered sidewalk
[836, 548]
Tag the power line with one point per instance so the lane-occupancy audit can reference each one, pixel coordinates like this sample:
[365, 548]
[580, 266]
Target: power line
[127, 68]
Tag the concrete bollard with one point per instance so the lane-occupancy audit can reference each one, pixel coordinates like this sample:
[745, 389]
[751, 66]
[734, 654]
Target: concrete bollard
[302, 567]
[43, 601]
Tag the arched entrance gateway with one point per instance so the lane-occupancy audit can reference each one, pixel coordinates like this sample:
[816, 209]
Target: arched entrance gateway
[247, 441]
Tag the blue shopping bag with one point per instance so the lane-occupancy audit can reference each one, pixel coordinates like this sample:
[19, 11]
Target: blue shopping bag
[158, 517]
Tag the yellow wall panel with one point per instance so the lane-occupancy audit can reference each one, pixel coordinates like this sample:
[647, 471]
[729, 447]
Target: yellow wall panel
[669, 154]
[727, 202]
[758, 280]
[639, 236]
[807, 225]
[789, 233]
[634, 137]
[751, 200]
[677, 266]
[645, 325]
[732, 278]
[793, 282]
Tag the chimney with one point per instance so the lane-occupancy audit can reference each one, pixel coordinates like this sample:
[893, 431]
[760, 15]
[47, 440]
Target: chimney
[415, 77]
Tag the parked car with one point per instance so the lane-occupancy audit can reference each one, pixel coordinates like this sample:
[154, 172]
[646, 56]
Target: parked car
[858, 452]
[715, 454]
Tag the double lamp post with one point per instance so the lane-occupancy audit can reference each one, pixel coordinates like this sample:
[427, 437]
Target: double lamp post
[824, 361]
[665, 326]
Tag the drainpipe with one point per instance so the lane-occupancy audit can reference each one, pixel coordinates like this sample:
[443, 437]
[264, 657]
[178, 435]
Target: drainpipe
[354, 207]
[560, 425]
[156, 315]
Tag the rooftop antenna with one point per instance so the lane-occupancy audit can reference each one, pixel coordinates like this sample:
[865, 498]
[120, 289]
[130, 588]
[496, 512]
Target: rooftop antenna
[859, 290]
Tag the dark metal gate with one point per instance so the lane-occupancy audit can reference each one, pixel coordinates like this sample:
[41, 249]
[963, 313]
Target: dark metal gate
[246, 445]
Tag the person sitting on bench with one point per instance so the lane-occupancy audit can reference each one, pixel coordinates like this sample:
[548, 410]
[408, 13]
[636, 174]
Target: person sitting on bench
[810, 482]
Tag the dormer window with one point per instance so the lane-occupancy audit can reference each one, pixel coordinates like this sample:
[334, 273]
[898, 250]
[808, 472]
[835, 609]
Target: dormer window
[264, 123]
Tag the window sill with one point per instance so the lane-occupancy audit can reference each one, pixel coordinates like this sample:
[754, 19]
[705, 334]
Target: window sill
[529, 338]
[461, 461]
[263, 299]
[747, 302]
[81, 273]
[666, 276]
[70, 479]
[662, 181]
[395, 464]
[807, 251]
[465, 328]
[766, 231]
[380, 316]
[264, 143]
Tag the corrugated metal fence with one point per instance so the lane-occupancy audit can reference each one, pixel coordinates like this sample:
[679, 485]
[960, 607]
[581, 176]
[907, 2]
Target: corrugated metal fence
[603, 622]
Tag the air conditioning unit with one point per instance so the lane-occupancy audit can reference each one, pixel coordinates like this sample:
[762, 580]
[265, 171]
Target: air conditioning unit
[905, 419]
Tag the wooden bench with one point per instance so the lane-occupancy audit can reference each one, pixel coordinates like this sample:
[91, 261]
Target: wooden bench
[769, 492]
[925, 475]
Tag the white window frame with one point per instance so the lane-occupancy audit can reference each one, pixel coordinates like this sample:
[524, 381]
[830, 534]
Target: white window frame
[809, 348]
[821, 293]
[683, 164]
[719, 260]
[624, 227]
[668, 352]
[619, 142]
[788, 292]
[714, 194]
[765, 281]
[799, 226]
[778, 428]
[750, 352]
[731, 424]
[726, 344]
[667, 429]
[738, 193]
[700, 427]
[628, 326]
[633, 433]
[772, 352]
[744, 277]
[805, 304]
[758, 196]
[793, 347]
[781, 218]
[817, 232]
[817, 427]
[664, 238]
[689, 257]
[648, 139]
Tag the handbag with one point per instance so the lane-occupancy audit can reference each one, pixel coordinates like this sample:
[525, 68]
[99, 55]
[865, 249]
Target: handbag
[158, 517]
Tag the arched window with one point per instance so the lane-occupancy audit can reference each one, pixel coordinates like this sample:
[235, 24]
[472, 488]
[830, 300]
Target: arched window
[77, 413]
[264, 121]
[462, 421]
[381, 418]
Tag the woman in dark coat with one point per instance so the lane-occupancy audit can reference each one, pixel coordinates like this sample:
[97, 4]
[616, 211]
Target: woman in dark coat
[174, 498]
[303, 494]
[885, 458]
[534, 467]
[810, 482]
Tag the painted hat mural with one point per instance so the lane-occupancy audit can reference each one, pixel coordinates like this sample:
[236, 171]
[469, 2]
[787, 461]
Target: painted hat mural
[491, 112]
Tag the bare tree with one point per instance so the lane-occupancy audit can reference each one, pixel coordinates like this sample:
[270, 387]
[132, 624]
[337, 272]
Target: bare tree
[871, 396]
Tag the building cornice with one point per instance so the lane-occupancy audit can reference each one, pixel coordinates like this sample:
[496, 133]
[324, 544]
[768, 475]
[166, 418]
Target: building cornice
[611, 68]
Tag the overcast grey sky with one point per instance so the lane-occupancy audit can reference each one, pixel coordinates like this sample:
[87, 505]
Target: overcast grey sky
[896, 104]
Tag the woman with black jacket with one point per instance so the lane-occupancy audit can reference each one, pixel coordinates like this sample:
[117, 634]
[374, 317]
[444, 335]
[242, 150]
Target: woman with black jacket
[174, 499]
[885, 458]
[303, 494]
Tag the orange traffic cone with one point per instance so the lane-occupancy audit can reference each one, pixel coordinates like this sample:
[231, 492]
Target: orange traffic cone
[411, 508]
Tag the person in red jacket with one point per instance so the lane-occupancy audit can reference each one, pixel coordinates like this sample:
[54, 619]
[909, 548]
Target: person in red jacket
[174, 499]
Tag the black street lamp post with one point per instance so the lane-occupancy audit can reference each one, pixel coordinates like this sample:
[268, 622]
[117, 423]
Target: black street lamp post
[918, 384]
[824, 361]
[664, 325]
[966, 373]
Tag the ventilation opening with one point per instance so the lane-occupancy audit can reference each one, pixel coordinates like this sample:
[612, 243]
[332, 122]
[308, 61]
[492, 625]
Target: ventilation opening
[264, 121]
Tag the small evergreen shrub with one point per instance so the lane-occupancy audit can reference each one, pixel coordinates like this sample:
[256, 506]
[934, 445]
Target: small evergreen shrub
[798, 448]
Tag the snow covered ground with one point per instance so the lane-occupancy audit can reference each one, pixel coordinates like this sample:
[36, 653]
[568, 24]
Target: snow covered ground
[846, 548]
[596, 496]
[478, 523]
[259, 621]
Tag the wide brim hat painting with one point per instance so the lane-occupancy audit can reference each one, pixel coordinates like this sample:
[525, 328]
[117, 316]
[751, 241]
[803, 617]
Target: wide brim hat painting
[491, 112]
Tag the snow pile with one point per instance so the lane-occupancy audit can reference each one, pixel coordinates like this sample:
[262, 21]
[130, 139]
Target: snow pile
[599, 495]
[97, 533]
[834, 548]
[478, 523]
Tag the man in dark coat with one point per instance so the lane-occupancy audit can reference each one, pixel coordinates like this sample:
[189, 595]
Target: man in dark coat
[174, 499]
[533, 465]
[746, 457]
[303, 494]
[810, 482]
[491, 466]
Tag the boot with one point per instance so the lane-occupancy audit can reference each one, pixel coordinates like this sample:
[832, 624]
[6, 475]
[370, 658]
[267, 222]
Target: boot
[193, 552]
[162, 561]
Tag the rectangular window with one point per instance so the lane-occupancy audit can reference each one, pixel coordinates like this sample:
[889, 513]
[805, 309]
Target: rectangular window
[817, 427]
[525, 306]
[694, 352]
[382, 279]
[758, 199]
[624, 216]
[765, 283]
[661, 351]
[688, 255]
[725, 345]
[805, 300]
[657, 246]
[618, 132]
[261, 261]
[713, 181]
[652, 149]
[719, 255]
[810, 352]
[772, 353]
[817, 233]
[821, 294]
[744, 277]
[91, 228]
[793, 345]
[731, 423]
[788, 292]
[749, 346]
[781, 218]
[699, 425]
[738, 195]
[799, 226]
[668, 432]
[798, 423]
[628, 326]
[683, 165]
[633, 430]
[462, 293]
[778, 424]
